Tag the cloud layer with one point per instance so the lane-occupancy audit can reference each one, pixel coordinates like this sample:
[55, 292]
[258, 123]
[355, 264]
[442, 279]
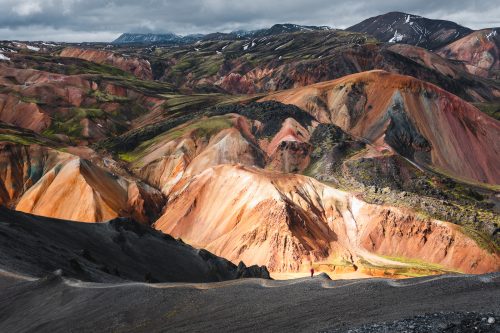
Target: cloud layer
[104, 20]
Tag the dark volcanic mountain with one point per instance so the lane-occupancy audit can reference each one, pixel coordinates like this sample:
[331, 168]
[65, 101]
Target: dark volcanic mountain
[397, 27]
[118, 250]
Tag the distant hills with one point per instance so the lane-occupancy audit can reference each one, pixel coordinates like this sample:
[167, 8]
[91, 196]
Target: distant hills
[171, 38]
[149, 38]
[392, 27]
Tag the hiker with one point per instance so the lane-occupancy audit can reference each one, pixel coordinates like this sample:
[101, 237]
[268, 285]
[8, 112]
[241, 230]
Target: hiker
[312, 272]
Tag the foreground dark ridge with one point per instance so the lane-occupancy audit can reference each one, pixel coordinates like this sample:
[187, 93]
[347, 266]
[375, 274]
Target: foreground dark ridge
[118, 250]
[54, 304]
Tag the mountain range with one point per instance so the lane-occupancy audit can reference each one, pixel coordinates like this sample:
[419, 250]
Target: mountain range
[366, 152]
[170, 38]
[392, 27]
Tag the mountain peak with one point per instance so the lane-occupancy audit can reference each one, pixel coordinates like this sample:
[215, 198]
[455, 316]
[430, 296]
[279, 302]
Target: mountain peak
[399, 27]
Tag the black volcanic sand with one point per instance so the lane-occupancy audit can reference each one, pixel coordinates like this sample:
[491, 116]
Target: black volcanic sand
[118, 250]
[56, 304]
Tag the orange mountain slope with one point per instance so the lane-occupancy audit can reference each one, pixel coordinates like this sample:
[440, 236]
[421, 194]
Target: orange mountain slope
[47, 182]
[287, 222]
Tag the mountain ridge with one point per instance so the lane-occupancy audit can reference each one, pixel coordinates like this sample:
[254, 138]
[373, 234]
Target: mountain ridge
[171, 38]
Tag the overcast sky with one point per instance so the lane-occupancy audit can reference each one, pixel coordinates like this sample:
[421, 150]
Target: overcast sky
[104, 20]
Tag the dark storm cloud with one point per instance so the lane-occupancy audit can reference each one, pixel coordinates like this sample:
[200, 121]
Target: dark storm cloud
[100, 20]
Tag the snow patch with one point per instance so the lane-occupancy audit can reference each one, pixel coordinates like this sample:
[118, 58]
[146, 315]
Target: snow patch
[492, 34]
[33, 48]
[245, 47]
[407, 19]
[397, 37]
[3, 57]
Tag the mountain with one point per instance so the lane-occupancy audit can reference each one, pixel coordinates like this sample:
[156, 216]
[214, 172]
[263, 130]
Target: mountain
[397, 27]
[289, 222]
[245, 159]
[418, 120]
[118, 250]
[479, 51]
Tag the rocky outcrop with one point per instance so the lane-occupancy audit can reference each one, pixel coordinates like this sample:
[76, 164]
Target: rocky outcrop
[416, 119]
[139, 67]
[288, 222]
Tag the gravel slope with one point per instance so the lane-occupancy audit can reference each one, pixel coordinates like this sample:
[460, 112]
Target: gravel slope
[56, 304]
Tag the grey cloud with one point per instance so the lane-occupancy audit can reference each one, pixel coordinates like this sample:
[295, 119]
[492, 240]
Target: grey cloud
[101, 20]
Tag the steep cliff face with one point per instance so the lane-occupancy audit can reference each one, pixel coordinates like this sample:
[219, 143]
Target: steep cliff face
[418, 120]
[479, 51]
[47, 182]
[139, 67]
[289, 222]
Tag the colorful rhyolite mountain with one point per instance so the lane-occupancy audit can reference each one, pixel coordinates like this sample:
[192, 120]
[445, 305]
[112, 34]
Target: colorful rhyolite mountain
[480, 51]
[288, 222]
[416, 119]
[359, 172]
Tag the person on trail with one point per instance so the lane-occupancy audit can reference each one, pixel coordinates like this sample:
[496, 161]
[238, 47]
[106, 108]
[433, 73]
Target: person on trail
[312, 272]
